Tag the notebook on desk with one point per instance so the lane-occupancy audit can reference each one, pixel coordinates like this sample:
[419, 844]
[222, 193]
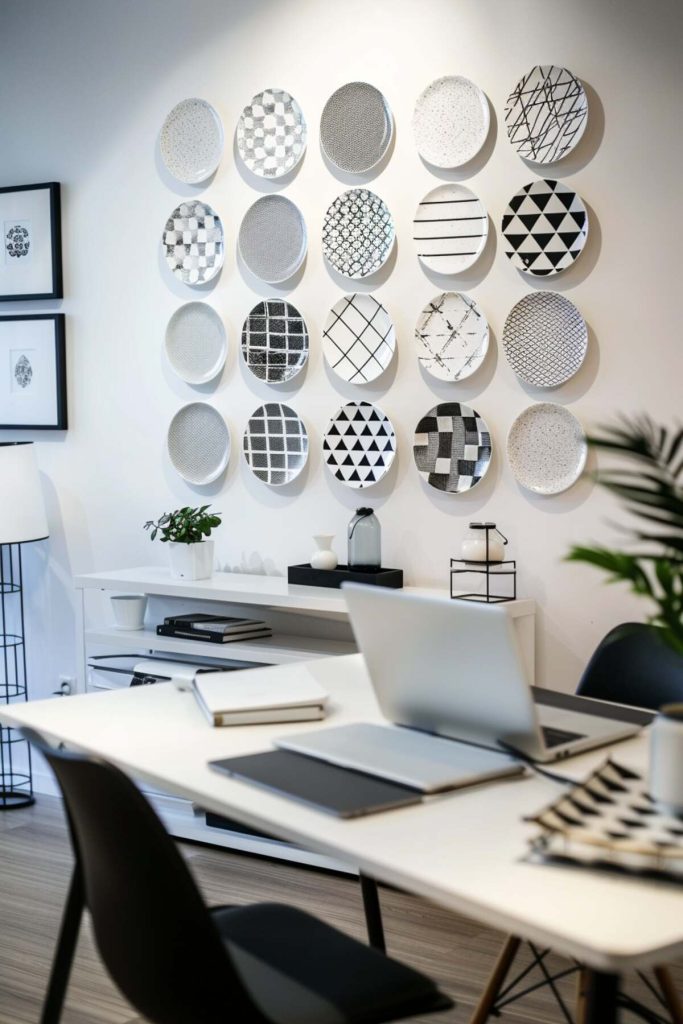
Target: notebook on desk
[250, 698]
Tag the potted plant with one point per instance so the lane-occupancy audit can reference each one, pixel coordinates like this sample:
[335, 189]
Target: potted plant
[187, 532]
[652, 491]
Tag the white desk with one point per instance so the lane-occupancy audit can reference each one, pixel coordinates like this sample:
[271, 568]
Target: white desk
[463, 851]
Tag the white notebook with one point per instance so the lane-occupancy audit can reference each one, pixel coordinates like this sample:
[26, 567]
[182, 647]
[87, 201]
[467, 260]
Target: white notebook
[250, 698]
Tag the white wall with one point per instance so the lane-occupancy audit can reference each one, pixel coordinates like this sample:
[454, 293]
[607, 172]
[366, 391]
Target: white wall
[84, 88]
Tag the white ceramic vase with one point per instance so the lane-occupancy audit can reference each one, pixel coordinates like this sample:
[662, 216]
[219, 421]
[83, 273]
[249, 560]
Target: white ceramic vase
[323, 557]
[191, 561]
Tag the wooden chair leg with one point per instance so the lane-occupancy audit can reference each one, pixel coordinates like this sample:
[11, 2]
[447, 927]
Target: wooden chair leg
[669, 993]
[581, 983]
[488, 998]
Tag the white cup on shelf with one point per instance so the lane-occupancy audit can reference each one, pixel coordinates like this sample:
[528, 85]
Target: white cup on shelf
[129, 610]
[666, 759]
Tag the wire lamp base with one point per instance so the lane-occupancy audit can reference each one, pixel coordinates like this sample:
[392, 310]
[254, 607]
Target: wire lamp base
[16, 777]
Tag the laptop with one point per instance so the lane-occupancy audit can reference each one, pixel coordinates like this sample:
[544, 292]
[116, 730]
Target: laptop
[452, 669]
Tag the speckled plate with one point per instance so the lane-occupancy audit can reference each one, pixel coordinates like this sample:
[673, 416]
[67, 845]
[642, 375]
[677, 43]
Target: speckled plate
[547, 448]
[192, 141]
[273, 239]
[451, 121]
[198, 443]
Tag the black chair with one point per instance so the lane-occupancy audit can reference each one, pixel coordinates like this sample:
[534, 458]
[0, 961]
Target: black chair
[631, 665]
[177, 961]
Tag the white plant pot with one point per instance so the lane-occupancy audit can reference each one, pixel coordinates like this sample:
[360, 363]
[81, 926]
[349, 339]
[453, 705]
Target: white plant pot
[191, 561]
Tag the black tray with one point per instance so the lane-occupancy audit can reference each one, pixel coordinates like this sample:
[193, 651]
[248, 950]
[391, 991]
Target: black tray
[305, 575]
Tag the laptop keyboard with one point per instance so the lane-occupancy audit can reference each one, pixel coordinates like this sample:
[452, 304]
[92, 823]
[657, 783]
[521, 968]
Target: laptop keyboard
[556, 737]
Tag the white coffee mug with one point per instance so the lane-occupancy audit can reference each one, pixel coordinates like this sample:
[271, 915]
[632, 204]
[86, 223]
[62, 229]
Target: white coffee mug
[666, 758]
[129, 610]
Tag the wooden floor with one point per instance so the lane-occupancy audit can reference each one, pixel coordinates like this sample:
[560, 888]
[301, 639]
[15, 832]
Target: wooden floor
[35, 861]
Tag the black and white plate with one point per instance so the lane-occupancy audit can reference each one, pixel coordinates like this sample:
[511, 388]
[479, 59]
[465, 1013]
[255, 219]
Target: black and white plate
[191, 141]
[545, 227]
[275, 341]
[451, 336]
[359, 444]
[271, 134]
[275, 444]
[272, 239]
[198, 443]
[358, 233]
[196, 344]
[450, 229]
[452, 447]
[546, 114]
[193, 242]
[545, 339]
[356, 127]
[359, 338]
[451, 121]
[547, 448]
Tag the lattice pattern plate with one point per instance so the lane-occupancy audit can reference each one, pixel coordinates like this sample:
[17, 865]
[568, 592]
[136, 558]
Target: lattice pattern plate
[359, 338]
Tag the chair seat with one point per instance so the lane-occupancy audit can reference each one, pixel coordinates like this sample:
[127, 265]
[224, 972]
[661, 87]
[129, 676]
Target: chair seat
[301, 971]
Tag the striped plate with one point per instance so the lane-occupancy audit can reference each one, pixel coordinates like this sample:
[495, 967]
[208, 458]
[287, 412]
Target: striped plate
[450, 229]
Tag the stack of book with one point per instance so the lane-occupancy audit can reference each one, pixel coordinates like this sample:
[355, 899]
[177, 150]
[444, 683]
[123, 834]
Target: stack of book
[213, 629]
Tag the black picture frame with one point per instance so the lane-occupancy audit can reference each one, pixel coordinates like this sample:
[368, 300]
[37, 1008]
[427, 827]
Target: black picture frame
[57, 289]
[61, 419]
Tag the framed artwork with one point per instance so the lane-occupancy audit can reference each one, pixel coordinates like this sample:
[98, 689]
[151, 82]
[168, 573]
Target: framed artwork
[33, 372]
[31, 257]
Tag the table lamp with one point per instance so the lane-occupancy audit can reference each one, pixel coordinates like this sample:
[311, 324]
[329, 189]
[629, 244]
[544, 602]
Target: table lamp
[22, 520]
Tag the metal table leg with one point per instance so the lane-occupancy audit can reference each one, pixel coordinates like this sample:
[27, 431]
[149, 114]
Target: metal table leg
[373, 913]
[602, 993]
[64, 951]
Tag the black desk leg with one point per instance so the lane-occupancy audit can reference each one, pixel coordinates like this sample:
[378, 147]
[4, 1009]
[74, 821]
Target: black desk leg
[64, 951]
[602, 994]
[373, 913]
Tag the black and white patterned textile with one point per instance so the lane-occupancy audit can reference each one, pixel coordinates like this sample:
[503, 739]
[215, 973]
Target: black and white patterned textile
[275, 341]
[271, 133]
[545, 227]
[358, 233]
[359, 338]
[452, 447]
[451, 336]
[356, 127]
[275, 444]
[545, 339]
[450, 229]
[546, 113]
[359, 444]
[193, 242]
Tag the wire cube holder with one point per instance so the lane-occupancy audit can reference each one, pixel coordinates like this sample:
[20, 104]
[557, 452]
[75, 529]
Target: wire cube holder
[16, 777]
[499, 574]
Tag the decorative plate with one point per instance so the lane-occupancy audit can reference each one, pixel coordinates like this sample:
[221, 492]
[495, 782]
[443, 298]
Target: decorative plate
[193, 242]
[450, 229]
[546, 448]
[275, 444]
[452, 336]
[198, 443]
[452, 447]
[359, 445]
[356, 127]
[358, 233]
[545, 227]
[272, 239]
[545, 339]
[275, 341]
[359, 338]
[546, 114]
[192, 141]
[196, 343]
[271, 134]
[451, 121]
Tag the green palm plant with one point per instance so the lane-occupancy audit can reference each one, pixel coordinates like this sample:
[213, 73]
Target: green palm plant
[650, 484]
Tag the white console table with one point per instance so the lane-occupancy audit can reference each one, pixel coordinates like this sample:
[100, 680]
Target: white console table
[307, 623]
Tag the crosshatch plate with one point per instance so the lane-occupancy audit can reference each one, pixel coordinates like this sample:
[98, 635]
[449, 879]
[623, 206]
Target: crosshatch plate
[193, 242]
[358, 233]
[547, 448]
[356, 127]
[272, 239]
[545, 339]
[275, 341]
[192, 141]
[450, 229]
[452, 447]
[271, 134]
[359, 444]
[546, 114]
[545, 227]
[196, 343]
[451, 121]
[275, 444]
[451, 336]
[359, 339]
[198, 443]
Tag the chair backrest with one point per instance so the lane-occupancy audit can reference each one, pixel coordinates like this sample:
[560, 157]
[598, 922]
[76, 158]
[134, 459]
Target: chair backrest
[152, 928]
[633, 664]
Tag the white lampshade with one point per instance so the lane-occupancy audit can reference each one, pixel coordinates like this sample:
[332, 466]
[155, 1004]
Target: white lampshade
[22, 508]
